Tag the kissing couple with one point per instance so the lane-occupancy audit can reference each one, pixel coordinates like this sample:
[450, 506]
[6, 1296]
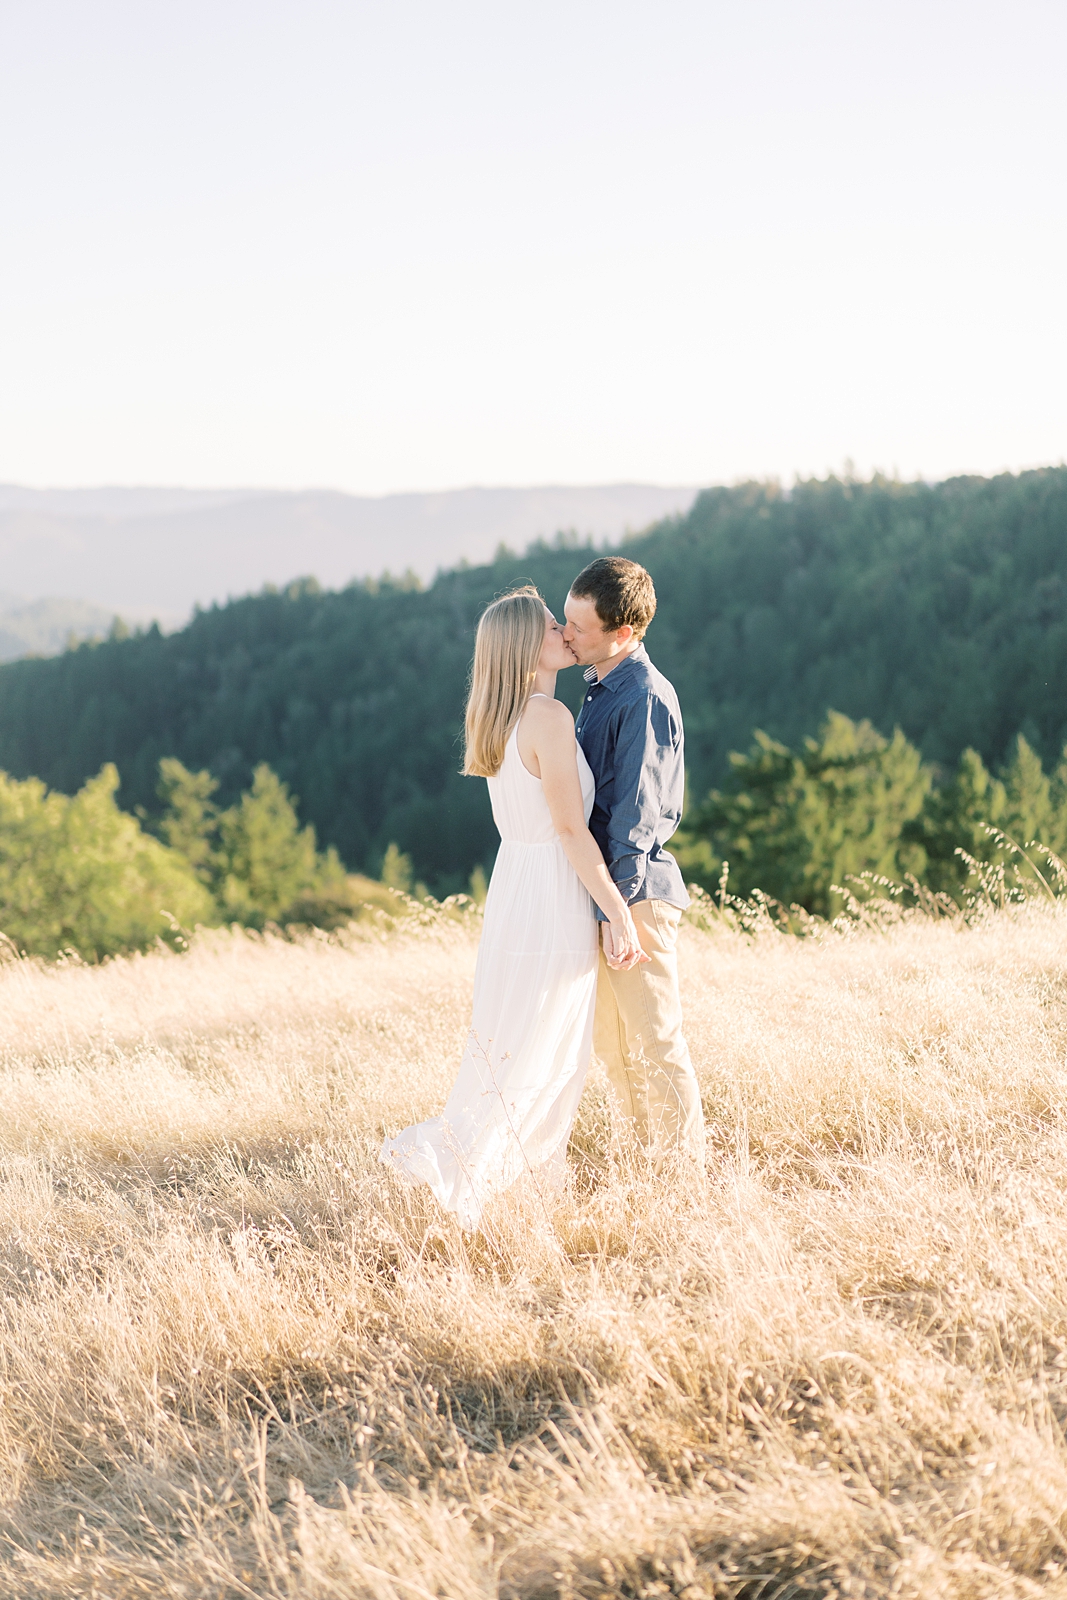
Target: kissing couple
[578, 949]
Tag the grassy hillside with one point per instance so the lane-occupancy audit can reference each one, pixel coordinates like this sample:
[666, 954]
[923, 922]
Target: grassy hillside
[941, 608]
[237, 1359]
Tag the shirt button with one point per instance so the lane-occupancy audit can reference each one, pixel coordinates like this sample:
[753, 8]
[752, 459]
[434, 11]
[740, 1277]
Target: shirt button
[589, 697]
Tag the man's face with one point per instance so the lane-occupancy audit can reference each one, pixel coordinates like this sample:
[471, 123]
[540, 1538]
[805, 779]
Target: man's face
[585, 632]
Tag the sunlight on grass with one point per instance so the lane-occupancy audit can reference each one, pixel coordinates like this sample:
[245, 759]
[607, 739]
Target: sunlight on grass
[238, 1359]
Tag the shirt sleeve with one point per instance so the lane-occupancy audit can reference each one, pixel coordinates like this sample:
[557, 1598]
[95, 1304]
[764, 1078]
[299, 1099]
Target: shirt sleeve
[645, 744]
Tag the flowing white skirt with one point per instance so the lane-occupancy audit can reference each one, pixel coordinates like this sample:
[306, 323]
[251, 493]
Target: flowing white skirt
[514, 1101]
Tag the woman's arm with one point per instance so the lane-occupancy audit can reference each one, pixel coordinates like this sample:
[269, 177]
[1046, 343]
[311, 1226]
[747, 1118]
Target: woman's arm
[547, 740]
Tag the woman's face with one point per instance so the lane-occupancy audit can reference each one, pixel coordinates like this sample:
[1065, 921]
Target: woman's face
[555, 653]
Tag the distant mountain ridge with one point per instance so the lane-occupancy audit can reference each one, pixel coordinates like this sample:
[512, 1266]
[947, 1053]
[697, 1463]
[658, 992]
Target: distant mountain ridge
[44, 627]
[116, 500]
[158, 552]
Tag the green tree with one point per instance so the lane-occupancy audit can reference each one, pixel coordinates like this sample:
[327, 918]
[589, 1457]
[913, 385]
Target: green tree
[1028, 807]
[190, 821]
[1057, 839]
[76, 872]
[1022, 804]
[957, 816]
[260, 865]
[794, 824]
[266, 859]
[396, 869]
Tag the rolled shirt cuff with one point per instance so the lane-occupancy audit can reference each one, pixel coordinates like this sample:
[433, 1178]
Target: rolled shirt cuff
[628, 874]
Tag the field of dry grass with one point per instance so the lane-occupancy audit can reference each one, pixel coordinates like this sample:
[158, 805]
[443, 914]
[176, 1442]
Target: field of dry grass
[237, 1360]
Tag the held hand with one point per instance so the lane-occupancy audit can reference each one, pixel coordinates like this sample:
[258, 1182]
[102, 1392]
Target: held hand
[622, 947]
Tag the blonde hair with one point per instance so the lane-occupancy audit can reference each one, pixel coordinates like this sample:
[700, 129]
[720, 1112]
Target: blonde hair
[511, 636]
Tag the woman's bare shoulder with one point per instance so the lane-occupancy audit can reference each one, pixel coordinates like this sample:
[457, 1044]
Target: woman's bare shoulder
[541, 712]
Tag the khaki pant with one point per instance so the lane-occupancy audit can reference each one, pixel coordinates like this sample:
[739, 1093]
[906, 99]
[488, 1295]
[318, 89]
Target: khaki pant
[638, 1036]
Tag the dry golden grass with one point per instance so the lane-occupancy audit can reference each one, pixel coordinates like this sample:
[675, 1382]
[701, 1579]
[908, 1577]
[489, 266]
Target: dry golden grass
[236, 1359]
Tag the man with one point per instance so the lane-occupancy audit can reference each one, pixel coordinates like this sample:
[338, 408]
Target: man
[630, 728]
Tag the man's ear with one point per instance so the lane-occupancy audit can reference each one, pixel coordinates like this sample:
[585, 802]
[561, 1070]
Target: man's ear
[624, 634]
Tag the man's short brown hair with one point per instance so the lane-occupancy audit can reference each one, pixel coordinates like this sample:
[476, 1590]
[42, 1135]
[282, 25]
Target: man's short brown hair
[621, 591]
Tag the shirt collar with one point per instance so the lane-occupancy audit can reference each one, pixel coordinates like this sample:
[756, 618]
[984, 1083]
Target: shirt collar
[590, 673]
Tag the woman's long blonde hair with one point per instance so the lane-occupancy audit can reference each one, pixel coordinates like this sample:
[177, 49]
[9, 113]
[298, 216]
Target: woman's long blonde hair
[511, 636]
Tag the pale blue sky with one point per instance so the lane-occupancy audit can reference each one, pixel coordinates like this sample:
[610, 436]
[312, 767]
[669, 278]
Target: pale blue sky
[410, 245]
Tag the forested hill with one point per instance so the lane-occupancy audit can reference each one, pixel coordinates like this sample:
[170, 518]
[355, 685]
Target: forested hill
[941, 608]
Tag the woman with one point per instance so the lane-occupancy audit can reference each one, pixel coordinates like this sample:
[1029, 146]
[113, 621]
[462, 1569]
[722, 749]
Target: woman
[514, 1101]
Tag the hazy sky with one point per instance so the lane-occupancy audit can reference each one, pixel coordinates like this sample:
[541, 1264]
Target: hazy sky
[417, 244]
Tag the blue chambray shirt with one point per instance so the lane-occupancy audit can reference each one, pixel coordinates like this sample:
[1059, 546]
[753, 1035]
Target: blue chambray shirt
[630, 728]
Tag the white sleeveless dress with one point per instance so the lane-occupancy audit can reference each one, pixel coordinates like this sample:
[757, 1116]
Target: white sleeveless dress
[514, 1102]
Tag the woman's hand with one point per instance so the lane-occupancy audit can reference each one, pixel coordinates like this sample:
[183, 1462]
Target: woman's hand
[622, 947]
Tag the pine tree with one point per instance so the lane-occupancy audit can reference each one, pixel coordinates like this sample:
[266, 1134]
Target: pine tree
[796, 824]
[396, 869]
[957, 816]
[1028, 810]
[266, 858]
[190, 821]
[1057, 840]
[994, 820]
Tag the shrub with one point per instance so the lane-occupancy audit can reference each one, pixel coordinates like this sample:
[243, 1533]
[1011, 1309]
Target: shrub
[78, 873]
